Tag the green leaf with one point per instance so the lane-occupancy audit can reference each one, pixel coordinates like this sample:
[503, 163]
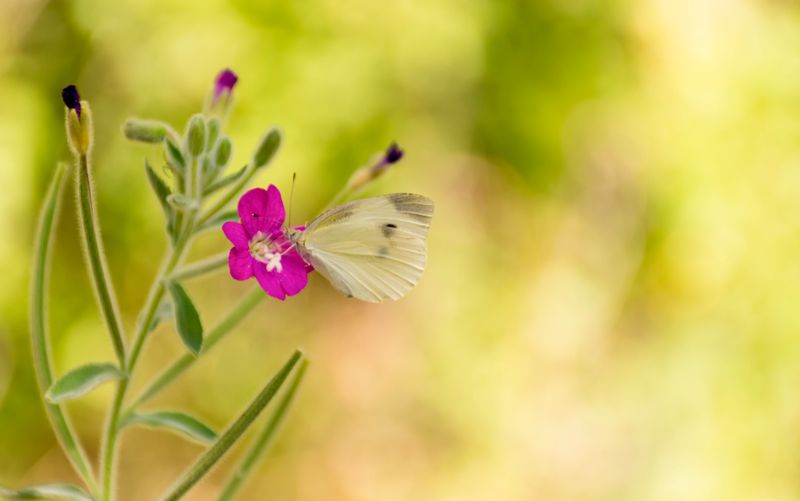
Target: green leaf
[174, 155]
[225, 181]
[40, 339]
[174, 421]
[160, 188]
[217, 221]
[49, 491]
[187, 320]
[264, 437]
[234, 432]
[81, 381]
[181, 202]
[162, 192]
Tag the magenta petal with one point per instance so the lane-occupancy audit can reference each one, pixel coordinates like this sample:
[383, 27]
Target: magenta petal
[261, 210]
[240, 263]
[236, 234]
[269, 281]
[294, 276]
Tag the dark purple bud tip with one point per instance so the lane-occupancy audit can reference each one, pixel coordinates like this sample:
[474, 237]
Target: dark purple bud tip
[393, 154]
[71, 98]
[225, 82]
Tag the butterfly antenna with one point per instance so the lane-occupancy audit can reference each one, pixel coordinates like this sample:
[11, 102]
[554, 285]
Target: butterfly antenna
[291, 199]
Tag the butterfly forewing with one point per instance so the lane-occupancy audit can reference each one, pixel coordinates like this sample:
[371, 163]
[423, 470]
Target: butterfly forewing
[371, 249]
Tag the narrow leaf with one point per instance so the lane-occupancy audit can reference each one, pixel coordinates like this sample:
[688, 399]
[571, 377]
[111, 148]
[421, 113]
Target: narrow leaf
[264, 437]
[223, 182]
[160, 188]
[207, 461]
[174, 155]
[174, 421]
[49, 491]
[187, 320]
[81, 381]
[40, 339]
[181, 202]
[162, 191]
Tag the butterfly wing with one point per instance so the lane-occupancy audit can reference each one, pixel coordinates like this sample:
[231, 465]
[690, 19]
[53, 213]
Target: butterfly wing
[371, 249]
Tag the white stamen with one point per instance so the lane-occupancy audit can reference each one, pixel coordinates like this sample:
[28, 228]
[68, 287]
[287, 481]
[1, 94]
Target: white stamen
[266, 251]
[274, 262]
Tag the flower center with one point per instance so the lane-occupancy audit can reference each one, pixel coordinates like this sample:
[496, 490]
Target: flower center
[266, 250]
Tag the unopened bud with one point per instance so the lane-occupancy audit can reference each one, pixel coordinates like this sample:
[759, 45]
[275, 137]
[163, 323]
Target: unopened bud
[223, 87]
[146, 131]
[78, 121]
[365, 175]
[207, 168]
[393, 154]
[267, 148]
[212, 126]
[223, 153]
[196, 135]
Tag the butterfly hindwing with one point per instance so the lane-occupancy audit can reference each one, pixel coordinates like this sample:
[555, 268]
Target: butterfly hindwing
[371, 249]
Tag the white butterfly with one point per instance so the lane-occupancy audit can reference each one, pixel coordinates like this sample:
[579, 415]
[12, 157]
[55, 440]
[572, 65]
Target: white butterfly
[371, 249]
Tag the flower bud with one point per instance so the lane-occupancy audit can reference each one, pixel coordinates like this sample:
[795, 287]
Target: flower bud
[223, 87]
[212, 127]
[365, 175]
[267, 147]
[196, 135]
[78, 121]
[146, 131]
[223, 152]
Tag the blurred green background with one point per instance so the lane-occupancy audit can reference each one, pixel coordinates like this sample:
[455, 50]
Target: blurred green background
[609, 307]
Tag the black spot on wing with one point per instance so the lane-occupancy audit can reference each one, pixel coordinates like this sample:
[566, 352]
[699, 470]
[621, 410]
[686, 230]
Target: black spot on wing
[388, 229]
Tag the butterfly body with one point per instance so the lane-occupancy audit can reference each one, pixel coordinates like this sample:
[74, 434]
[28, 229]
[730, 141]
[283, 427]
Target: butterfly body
[371, 249]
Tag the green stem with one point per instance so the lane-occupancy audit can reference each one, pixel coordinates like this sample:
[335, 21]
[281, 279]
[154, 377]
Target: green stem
[151, 305]
[97, 265]
[40, 345]
[264, 439]
[200, 267]
[233, 433]
[216, 334]
[225, 199]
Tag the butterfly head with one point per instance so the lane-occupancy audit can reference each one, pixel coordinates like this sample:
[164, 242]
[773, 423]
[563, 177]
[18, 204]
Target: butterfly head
[293, 234]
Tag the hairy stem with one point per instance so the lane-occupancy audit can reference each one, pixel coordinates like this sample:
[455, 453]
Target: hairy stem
[40, 345]
[233, 433]
[225, 199]
[201, 267]
[215, 335]
[96, 260]
[264, 438]
[151, 305]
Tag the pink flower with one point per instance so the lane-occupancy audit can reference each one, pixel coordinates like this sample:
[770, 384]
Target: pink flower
[260, 246]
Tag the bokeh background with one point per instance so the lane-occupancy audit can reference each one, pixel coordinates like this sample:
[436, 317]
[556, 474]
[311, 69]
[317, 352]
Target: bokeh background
[609, 310]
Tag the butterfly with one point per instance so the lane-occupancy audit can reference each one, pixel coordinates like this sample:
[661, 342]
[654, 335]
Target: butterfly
[371, 249]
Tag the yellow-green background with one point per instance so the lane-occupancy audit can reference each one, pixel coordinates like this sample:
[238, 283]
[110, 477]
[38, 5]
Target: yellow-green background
[610, 306]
